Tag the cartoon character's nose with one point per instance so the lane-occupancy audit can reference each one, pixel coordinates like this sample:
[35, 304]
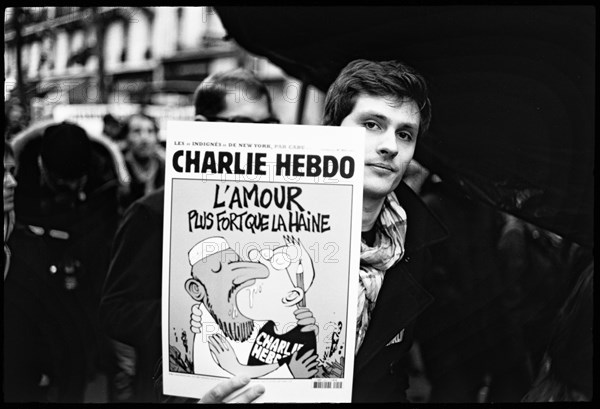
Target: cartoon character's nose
[246, 270]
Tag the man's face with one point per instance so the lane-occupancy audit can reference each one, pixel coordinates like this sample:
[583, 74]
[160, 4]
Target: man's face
[112, 129]
[223, 275]
[392, 128]
[9, 182]
[60, 184]
[15, 118]
[142, 137]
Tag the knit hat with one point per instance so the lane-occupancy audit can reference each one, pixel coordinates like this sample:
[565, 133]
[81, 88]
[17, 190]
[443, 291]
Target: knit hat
[206, 248]
[66, 150]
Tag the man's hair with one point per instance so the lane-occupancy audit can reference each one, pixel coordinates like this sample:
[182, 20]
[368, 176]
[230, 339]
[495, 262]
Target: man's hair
[391, 79]
[110, 119]
[209, 97]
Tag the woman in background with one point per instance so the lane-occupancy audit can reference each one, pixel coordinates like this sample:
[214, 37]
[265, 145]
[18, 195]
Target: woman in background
[144, 157]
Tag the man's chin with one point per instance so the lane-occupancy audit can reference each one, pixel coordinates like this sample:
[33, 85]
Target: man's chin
[379, 187]
[378, 193]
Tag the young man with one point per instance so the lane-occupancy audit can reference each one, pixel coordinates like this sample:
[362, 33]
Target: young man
[130, 306]
[390, 101]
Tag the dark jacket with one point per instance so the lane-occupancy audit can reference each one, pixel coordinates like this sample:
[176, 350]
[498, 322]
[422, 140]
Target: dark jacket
[78, 231]
[46, 327]
[381, 371]
[130, 305]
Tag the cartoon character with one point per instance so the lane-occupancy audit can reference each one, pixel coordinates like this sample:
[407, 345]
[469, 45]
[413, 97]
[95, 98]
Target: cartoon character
[333, 339]
[236, 293]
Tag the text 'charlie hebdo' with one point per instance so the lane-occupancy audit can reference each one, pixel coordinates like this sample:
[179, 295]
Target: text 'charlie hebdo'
[249, 163]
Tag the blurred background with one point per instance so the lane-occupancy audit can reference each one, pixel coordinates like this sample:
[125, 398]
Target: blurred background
[84, 62]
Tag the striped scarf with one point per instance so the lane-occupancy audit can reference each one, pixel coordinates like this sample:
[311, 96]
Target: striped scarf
[9, 223]
[387, 250]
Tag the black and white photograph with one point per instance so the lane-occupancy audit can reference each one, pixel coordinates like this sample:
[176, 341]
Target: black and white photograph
[146, 149]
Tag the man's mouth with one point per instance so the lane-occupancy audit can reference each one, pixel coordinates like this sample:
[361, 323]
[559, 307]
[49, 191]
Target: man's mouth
[383, 166]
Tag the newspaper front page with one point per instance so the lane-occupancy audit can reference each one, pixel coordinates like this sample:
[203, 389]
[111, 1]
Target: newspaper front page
[260, 258]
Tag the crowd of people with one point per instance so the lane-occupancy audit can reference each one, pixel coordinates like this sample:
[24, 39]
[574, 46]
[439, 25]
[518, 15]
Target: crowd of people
[500, 310]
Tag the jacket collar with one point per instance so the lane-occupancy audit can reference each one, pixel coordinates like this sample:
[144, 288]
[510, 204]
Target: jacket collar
[423, 227]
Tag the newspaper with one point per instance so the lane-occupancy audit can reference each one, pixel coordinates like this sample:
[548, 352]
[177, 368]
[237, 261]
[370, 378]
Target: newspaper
[260, 258]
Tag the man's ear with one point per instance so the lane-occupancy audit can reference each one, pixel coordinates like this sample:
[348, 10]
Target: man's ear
[195, 289]
[293, 297]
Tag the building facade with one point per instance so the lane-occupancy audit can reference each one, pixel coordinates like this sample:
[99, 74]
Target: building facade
[130, 55]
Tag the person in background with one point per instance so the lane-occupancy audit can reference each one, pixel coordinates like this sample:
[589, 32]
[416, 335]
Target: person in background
[37, 340]
[471, 342]
[23, 367]
[67, 184]
[111, 129]
[566, 371]
[131, 299]
[144, 157]
[16, 119]
[9, 183]
[554, 307]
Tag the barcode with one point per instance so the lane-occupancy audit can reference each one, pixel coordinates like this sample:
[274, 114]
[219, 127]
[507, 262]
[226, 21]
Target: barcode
[327, 385]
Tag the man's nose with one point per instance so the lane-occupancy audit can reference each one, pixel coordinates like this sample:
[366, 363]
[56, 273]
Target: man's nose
[12, 181]
[387, 144]
[148, 135]
[247, 270]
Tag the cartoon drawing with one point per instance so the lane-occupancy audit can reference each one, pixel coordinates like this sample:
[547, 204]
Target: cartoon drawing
[258, 308]
[332, 339]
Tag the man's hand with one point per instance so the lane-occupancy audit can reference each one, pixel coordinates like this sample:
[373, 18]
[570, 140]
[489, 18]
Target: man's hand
[306, 320]
[196, 319]
[224, 391]
[304, 367]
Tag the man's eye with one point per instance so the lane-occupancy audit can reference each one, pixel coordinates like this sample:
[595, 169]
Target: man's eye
[372, 125]
[405, 136]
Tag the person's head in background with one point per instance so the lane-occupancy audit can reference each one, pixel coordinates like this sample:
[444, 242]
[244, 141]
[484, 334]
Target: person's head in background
[233, 96]
[16, 119]
[111, 126]
[390, 100]
[64, 159]
[141, 135]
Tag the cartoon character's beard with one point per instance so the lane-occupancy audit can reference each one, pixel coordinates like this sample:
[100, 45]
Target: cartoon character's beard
[236, 331]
